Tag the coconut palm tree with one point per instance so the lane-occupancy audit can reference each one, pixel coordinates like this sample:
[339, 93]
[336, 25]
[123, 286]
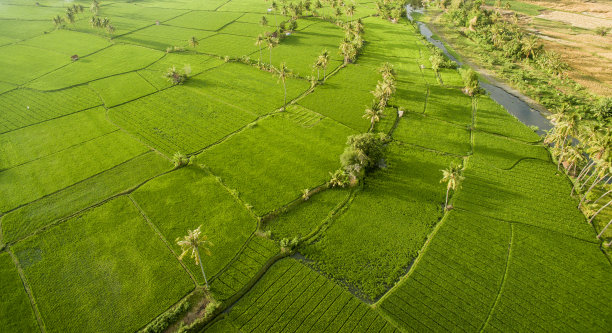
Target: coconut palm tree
[283, 72]
[94, 7]
[350, 11]
[452, 178]
[373, 113]
[193, 42]
[271, 42]
[70, 16]
[193, 242]
[347, 49]
[259, 42]
[387, 72]
[58, 21]
[324, 60]
[530, 46]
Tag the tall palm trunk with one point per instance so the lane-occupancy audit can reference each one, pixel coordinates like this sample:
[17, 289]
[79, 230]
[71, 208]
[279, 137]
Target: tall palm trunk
[584, 172]
[603, 195]
[324, 68]
[259, 60]
[590, 188]
[559, 159]
[586, 181]
[285, 100]
[202, 266]
[446, 201]
[604, 229]
[270, 58]
[599, 210]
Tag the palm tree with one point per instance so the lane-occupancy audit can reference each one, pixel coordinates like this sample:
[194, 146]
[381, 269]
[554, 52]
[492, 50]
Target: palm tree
[283, 72]
[70, 16]
[348, 50]
[324, 60]
[530, 45]
[271, 42]
[317, 66]
[259, 42]
[350, 11]
[193, 42]
[374, 113]
[452, 178]
[95, 7]
[58, 20]
[193, 242]
[387, 71]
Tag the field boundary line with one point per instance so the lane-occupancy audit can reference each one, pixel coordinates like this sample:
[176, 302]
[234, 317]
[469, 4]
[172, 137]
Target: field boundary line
[416, 261]
[75, 183]
[80, 211]
[28, 290]
[400, 142]
[159, 234]
[59, 151]
[529, 225]
[502, 282]
[54, 118]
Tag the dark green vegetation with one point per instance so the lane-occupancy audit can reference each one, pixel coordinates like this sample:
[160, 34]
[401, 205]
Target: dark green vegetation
[105, 164]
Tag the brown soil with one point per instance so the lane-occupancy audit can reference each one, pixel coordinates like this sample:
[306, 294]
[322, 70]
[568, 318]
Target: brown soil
[576, 20]
[588, 55]
[600, 8]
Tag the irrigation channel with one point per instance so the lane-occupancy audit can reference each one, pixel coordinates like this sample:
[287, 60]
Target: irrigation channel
[514, 103]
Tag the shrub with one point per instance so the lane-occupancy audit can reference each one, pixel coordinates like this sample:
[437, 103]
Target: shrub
[289, 244]
[470, 81]
[602, 31]
[167, 318]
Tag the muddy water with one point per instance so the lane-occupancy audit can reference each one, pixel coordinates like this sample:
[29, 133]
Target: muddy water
[514, 104]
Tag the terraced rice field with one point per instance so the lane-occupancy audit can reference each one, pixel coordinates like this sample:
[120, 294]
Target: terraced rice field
[91, 203]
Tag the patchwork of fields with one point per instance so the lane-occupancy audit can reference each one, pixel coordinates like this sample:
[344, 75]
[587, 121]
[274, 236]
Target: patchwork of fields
[91, 203]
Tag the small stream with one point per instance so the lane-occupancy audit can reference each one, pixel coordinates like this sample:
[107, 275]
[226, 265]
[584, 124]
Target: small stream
[515, 105]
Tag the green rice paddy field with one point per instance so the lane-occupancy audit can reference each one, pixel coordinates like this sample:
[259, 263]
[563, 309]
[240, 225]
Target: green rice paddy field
[91, 204]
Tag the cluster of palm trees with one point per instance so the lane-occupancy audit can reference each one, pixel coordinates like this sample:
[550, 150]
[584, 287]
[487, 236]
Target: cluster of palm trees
[581, 143]
[70, 17]
[391, 10]
[382, 93]
[353, 41]
[101, 23]
[506, 36]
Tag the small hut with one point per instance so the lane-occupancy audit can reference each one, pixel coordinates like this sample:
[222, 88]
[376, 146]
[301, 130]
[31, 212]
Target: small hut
[74, 57]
